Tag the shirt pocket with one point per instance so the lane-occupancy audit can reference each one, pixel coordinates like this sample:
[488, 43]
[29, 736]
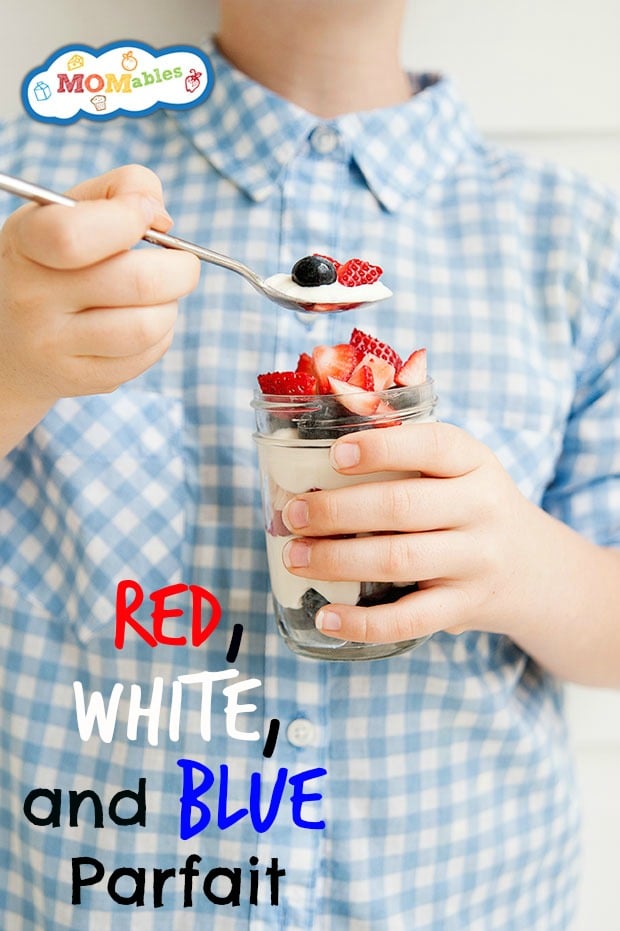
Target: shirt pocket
[95, 495]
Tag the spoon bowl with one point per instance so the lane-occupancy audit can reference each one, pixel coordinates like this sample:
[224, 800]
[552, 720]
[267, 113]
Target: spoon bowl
[42, 195]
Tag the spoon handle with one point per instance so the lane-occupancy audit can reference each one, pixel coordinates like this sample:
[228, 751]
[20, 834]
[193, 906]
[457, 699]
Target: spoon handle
[42, 195]
[204, 254]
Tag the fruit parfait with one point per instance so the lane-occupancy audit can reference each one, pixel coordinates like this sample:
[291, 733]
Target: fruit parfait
[360, 385]
[320, 282]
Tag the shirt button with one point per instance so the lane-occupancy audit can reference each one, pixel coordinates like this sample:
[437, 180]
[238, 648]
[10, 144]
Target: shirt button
[300, 732]
[324, 140]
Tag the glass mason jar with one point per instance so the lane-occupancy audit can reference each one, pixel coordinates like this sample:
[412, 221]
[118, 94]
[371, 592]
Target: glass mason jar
[293, 436]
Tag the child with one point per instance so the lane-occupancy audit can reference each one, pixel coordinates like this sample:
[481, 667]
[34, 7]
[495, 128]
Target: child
[443, 783]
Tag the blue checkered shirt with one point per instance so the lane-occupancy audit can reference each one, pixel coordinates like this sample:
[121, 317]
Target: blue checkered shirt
[449, 801]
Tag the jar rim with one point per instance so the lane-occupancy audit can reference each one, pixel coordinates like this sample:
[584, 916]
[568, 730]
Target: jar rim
[329, 416]
[264, 401]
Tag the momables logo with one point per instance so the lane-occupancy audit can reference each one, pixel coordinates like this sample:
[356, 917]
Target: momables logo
[123, 78]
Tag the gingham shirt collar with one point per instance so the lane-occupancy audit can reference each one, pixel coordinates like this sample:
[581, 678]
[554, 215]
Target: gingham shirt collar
[250, 135]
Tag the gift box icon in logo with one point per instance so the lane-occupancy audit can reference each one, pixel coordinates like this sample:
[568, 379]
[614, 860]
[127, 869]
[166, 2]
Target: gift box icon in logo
[76, 61]
[99, 102]
[42, 91]
[192, 81]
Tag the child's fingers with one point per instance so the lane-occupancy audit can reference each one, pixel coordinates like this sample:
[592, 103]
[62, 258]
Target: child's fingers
[112, 214]
[438, 449]
[116, 332]
[416, 615]
[76, 237]
[406, 505]
[81, 375]
[128, 179]
[140, 277]
[385, 558]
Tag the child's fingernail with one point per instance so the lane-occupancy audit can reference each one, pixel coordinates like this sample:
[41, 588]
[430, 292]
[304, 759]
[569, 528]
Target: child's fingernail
[327, 620]
[295, 514]
[345, 455]
[296, 555]
[154, 211]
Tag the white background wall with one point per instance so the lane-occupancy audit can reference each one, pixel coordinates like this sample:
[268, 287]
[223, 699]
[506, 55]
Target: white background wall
[540, 75]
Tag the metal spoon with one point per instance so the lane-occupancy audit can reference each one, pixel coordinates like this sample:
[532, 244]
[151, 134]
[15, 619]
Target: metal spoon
[42, 195]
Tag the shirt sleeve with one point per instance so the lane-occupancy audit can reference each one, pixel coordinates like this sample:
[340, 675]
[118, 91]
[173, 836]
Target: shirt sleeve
[585, 492]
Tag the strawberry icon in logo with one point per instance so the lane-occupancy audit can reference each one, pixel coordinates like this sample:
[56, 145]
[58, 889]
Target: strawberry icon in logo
[192, 81]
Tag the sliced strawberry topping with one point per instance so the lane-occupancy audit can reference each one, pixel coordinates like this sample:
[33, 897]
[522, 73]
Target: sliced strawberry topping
[354, 399]
[304, 364]
[334, 262]
[362, 377]
[356, 271]
[290, 383]
[355, 372]
[365, 343]
[326, 308]
[277, 527]
[382, 371]
[413, 371]
[335, 362]
[386, 410]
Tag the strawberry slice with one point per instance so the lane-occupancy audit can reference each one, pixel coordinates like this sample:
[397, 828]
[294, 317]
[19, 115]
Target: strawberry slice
[277, 527]
[382, 372]
[334, 262]
[304, 364]
[386, 410]
[413, 371]
[362, 377]
[333, 362]
[289, 383]
[327, 308]
[365, 343]
[355, 272]
[354, 399]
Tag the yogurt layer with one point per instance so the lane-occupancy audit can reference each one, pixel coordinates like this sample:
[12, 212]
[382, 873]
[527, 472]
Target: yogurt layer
[335, 293]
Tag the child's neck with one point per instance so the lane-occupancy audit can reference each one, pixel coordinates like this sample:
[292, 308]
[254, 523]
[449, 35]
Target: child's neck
[328, 57]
